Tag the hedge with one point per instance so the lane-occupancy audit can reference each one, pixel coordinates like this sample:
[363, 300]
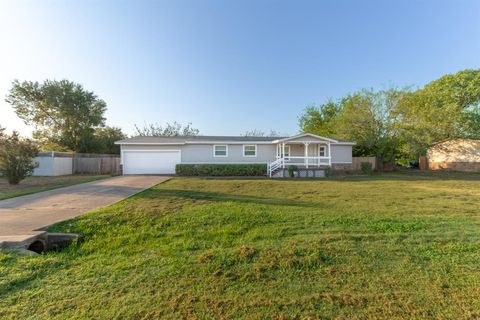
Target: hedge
[225, 170]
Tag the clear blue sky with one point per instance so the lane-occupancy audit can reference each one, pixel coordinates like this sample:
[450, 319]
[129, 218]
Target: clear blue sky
[231, 66]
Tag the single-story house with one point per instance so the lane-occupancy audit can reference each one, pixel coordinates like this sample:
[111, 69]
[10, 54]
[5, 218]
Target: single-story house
[160, 155]
[456, 154]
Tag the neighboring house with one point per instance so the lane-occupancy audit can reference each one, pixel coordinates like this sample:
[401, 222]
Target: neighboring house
[456, 154]
[159, 155]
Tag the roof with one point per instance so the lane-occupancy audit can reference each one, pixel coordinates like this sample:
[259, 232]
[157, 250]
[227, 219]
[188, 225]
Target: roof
[306, 134]
[453, 140]
[219, 139]
[194, 139]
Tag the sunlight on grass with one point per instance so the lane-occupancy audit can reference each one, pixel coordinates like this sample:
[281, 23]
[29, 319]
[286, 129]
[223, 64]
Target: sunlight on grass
[392, 246]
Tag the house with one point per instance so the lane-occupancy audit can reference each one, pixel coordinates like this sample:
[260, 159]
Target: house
[456, 154]
[159, 155]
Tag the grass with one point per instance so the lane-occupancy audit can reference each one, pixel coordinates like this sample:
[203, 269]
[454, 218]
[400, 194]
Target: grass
[389, 246]
[37, 184]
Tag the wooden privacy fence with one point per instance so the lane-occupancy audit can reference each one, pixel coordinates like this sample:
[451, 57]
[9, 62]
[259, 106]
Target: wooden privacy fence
[90, 163]
[53, 163]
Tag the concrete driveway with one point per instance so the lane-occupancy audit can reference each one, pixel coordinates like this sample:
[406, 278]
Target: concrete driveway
[22, 217]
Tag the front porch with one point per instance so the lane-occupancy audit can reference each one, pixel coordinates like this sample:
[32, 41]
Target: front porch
[304, 154]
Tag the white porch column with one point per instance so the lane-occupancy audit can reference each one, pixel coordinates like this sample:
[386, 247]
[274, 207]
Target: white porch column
[329, 154]
[318, 156]
[306, 153]
[283, 155]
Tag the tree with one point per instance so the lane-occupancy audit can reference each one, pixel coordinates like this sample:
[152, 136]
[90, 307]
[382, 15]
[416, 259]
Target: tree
[16, 157]
[366, 117]
[105, 139]
[320, 119]
[169, 130]
[260, 133]
[443, 109]
[63, 112]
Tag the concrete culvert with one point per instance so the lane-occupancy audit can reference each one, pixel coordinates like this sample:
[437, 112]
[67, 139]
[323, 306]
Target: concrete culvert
[37, 246]
[56, 241]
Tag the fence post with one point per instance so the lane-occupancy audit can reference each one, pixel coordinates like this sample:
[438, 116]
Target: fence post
[423, 163]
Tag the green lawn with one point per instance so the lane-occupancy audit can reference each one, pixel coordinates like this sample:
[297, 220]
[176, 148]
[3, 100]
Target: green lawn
[390, 246]
[37, 184]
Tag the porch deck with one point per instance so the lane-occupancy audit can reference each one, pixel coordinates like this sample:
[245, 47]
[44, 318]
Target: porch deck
[301, 172]
[304, 163]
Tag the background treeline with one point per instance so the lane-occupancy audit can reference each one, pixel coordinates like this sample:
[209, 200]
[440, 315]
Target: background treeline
[66, 117]
[394, 124]
[399, 124]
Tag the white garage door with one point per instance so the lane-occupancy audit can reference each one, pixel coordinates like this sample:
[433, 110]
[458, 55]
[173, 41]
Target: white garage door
[150, 162]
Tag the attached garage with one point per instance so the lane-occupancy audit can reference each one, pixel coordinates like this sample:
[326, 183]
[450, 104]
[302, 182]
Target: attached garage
[150, 161]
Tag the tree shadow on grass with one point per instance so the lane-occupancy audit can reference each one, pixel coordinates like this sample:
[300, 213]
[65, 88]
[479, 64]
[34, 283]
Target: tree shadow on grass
[222, 197]
[402, 175]
[416, 175]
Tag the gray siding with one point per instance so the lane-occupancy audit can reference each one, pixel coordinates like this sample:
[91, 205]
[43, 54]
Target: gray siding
[341, 154]
[203, 153]
[266, 153]
[198, 153]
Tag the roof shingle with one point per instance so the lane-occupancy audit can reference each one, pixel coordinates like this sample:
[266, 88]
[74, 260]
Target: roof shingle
[186, 139]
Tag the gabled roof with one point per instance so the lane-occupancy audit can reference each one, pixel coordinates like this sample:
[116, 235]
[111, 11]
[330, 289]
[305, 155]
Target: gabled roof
[305, 135]
[316, 137]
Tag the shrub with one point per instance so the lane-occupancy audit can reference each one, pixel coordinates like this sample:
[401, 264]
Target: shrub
[16, 157]
[328, 171]
[218, 170]
[291, 170]
[366, 167]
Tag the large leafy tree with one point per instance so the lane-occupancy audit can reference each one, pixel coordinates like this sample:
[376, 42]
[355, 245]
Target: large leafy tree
[63, 112]
[320, 119]
[16, 156]
[366, 117]
[105, 140]
[168, 130]
[444, 109]
[401, 124]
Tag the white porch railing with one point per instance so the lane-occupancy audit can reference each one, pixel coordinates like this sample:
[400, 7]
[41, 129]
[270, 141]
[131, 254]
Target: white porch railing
[307, 162]
[277, 164]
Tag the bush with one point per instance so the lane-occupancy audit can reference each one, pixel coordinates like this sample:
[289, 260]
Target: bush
[16, 157]
[366, 167]
[291, 170]
[328, 171]
[219, 170]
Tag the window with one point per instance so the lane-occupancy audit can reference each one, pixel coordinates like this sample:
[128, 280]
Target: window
[220, 151]
[287, 152]
[249, 150]
[322, 151]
